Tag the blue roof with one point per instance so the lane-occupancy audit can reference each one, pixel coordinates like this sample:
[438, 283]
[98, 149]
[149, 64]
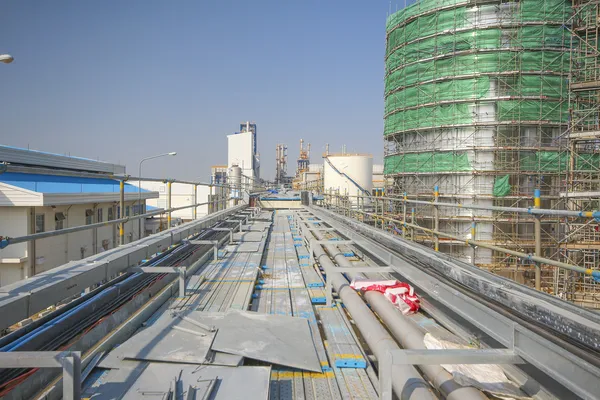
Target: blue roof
[64, 184]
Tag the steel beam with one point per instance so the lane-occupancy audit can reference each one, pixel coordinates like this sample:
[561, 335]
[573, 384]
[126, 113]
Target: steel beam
[69, 361]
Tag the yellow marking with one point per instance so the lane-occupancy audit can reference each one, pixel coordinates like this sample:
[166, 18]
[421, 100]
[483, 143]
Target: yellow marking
[588, 271]
[346, 356]
[589, 214]
[324, 364]
[286, 374]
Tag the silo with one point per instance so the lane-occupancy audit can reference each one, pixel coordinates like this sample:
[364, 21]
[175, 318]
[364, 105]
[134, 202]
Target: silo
[350, 174]
[476, 103]
[235, 179]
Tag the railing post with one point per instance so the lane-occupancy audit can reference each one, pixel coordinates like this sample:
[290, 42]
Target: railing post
[169, 204]
[436, 218]
[537, 202]
[195, 202]
[404, 215]
[412, 221]
[473, 231]
[211, 202]
[122, 212]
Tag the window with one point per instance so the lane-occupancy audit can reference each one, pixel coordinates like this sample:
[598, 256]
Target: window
[127, 211]
[110, 214]
[89, 216]
[100, 218]
[40, 223]
[59, 221]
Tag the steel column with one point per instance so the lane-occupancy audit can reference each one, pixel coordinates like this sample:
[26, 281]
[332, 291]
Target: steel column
[537, 224]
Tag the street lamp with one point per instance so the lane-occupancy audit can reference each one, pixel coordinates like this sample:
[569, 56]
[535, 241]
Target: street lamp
[173, 153]
[6, 58]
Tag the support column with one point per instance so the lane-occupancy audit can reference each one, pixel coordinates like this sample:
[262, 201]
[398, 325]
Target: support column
[537, 202]
[436, 216]
[195, 202]
[404, 215]
[122, 212]
[211, 201]
[473, 232]
[169, 183]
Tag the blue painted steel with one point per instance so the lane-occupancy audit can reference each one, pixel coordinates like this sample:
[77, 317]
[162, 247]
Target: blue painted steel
[64, 184]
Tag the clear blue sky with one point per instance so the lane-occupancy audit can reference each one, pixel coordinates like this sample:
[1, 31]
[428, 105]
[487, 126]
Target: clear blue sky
[120, 80]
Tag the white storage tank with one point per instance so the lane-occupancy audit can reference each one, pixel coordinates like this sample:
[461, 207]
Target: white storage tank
[235, 178]
[347, 173]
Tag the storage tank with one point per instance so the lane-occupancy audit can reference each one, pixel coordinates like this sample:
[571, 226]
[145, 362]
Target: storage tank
[235, 178]
[350, 174]
[475, 100]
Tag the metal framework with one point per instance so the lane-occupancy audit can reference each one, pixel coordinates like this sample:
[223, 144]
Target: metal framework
[488, 101]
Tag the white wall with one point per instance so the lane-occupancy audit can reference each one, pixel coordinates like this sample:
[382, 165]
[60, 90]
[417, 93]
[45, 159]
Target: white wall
[182, 194]
[54, 251]
[358, 167]
[240, 152]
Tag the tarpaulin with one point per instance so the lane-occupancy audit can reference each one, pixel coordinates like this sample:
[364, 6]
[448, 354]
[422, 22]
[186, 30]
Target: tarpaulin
[401, 294]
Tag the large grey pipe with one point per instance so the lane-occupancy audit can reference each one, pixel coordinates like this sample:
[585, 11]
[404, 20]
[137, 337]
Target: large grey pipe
[407, 383]
[409, 336]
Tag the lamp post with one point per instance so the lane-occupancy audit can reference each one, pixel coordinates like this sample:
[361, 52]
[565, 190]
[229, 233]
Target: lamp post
[6, 58]
[173, 153]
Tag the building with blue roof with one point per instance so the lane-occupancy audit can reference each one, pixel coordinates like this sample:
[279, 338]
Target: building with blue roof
[42, 192]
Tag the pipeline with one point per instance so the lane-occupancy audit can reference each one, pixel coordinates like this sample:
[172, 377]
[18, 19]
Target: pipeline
[409, 336]
[407, 383]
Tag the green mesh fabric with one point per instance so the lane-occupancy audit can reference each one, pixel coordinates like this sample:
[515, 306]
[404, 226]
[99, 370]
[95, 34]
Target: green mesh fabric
[433, 40]
[426, 162]
[552, 161]
[501, 186]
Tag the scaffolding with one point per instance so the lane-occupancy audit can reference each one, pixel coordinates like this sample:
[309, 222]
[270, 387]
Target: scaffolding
[477, 103]
[581, 242]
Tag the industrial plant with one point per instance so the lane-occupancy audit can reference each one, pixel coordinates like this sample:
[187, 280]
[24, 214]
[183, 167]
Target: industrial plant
[466, 266]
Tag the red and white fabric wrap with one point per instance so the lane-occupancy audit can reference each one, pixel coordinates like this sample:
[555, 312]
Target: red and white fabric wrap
[402, 295]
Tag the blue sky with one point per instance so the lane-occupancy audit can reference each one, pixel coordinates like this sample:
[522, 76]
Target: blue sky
[120, 80]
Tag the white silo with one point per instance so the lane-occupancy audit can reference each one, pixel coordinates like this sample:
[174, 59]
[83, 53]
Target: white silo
[235, 178]
[347, 173]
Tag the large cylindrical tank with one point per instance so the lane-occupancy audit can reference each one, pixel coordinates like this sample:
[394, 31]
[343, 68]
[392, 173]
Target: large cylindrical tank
[350, 174]
[235, 179]
[476, 98]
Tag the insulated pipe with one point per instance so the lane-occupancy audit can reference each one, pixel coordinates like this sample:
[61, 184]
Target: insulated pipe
[407, 383]
[409, 336]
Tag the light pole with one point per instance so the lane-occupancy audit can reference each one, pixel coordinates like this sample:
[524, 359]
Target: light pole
[6, 58]
[173, 153]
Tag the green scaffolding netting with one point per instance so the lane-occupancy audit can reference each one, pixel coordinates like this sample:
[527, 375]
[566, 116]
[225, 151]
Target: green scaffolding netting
[426, 162]
[534, 111]
[552, 161]
[440, 68]
[526, 61]
[526, 10]
[501, 186]
[534, 161]
[551, 87]
[527, 38]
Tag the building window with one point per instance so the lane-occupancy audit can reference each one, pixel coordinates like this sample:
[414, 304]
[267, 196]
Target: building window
[127, 211]
[59, 221]
[40, 223]
[110, 214]
[89, 216]
[100, 217]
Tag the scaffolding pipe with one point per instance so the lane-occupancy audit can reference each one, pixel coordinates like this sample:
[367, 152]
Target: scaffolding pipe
[586, 271]
[407, 383]
[531, 210]
[537, 224]
[409, 336]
